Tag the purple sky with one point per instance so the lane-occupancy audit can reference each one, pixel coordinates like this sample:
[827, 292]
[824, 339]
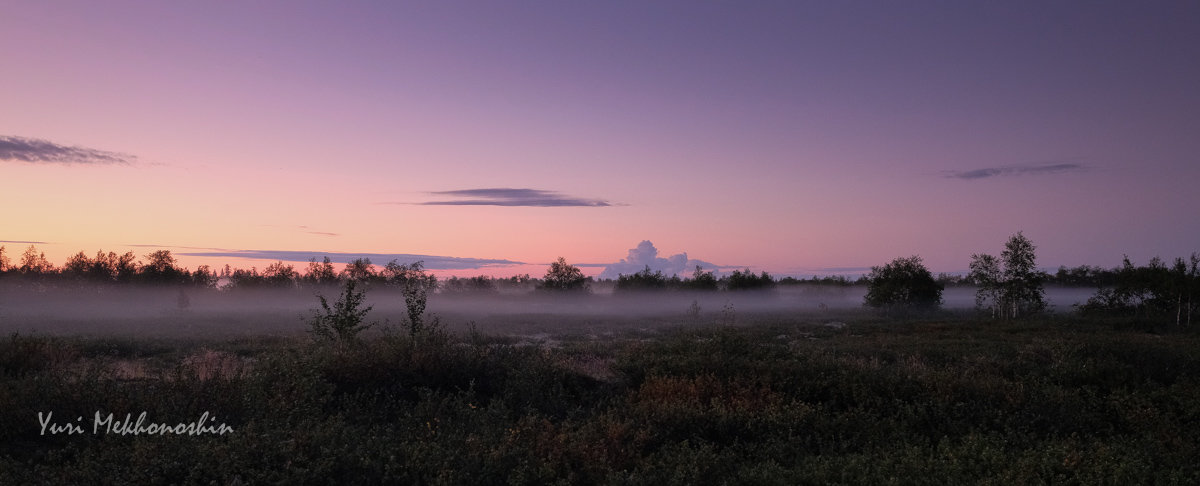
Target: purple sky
[793, 137]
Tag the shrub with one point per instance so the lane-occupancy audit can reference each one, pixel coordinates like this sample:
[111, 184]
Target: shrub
[904, 284]
[344, 320]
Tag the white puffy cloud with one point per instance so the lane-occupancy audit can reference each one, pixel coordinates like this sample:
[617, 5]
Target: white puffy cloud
[646, 255]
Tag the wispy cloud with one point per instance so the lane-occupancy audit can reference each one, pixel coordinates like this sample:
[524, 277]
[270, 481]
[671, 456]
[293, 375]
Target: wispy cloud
[303, 228]
[432, 262]
[32, 150]
[25, 242]
[139, 245]
[512, 197]
[843, 269]
[1015, 170]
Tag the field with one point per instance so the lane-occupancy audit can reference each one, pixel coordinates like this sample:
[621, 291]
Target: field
[723, 396]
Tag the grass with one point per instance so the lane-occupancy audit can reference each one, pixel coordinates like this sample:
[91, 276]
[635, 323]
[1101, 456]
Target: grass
[777, 399]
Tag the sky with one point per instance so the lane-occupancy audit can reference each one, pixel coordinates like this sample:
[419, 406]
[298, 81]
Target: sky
[797, 138]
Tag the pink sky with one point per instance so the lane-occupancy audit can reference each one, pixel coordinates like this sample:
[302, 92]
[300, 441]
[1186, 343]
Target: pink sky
[796, 139]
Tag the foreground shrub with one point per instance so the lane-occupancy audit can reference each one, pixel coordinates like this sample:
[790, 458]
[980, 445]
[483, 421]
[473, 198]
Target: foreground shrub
[345, 319]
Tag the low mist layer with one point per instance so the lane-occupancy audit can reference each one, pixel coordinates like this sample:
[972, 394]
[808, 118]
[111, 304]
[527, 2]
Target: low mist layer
[139, 310]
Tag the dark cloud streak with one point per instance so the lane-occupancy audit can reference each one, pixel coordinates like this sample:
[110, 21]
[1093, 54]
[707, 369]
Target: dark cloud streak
[432, 262]
[32, 150]
[1015, 170]
[512, 197]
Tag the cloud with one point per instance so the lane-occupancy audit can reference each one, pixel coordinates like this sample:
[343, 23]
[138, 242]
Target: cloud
[431, 262]
[646, 255]
[33, 150]
[301, 227]
[25, 242]
[1015, 170]
[844, 269]
[176, 246]
[512, 197]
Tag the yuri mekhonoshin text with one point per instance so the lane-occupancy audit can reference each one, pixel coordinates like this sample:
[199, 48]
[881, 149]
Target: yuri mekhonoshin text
[128, 425]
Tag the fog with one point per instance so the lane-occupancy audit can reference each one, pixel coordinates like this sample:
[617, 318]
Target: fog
[212, 313]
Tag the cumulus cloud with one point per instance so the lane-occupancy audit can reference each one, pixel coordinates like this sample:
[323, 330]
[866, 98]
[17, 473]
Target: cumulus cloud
[432, 262]
[1015, 170]
[646, 255]
[511, 197]
[32, 150]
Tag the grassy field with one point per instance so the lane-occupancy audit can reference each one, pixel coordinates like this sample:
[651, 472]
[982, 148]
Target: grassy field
[759, 399]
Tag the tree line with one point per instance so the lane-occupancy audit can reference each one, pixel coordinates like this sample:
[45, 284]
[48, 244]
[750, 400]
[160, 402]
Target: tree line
[1011, 286]
[160, 267]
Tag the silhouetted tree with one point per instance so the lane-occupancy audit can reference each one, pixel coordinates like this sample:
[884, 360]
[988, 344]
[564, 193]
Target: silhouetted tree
[1184, 280]
[415, 284]
[700, 280]
[516, 282]
[1083, 276]
[985, 272]
[1011, 286]
[4, 263]
[105, 267]
[246, 279]
[564, 277]
[395, 274]
[1022, 281]
[643, 280]
[903, 285]
[360, 269]
[124, 267]
[34, 263]
[321, 274]
[279, 274]
[746, 280]
[480, 285]
[1150, 291]
[78, 267]
[204, 277]
[160, 269]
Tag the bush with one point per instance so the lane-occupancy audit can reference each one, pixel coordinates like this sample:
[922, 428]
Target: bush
[903, 285]
[344, 320]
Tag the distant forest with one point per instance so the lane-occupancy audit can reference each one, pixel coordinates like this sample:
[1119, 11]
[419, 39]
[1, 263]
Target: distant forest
[161, 268]
[1153, 289]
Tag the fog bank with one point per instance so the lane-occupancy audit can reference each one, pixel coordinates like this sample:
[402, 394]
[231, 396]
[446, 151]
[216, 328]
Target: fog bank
[203, 312]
